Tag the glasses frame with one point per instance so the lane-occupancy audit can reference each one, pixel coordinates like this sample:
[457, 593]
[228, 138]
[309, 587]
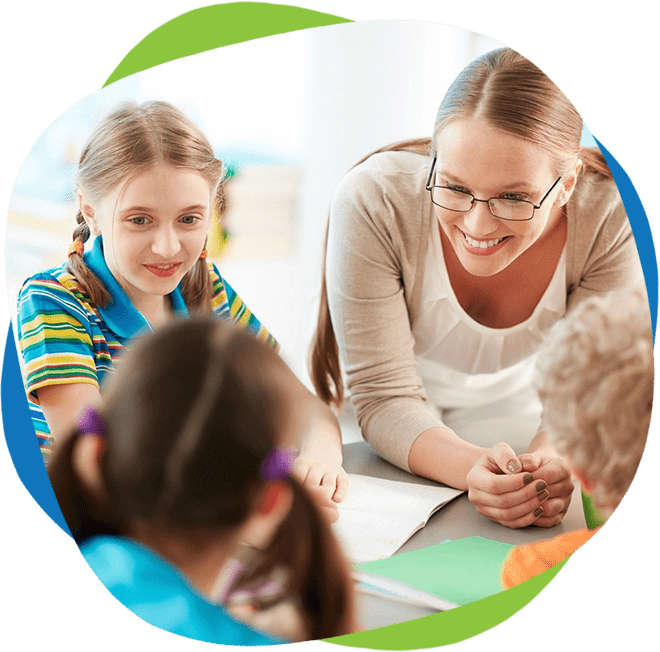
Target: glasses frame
[430, 187]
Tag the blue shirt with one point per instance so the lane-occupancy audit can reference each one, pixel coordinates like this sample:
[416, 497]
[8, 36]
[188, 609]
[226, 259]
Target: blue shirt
[158, 593]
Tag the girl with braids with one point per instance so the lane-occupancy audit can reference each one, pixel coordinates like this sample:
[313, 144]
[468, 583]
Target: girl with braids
[148, 185]
[448, 259]
[189, 453]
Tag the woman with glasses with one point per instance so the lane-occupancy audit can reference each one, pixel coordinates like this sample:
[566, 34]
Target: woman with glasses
[448, 259]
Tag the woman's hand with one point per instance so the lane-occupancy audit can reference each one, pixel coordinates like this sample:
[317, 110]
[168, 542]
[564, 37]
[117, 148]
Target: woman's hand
[554, 471]
[513, 491]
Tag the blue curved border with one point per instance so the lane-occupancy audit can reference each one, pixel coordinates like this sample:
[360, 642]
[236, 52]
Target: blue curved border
[641, 230]
[20, 436]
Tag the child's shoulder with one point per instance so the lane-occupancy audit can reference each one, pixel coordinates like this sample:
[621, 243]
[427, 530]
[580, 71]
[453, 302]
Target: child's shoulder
[56, 282]
[216, 277]
[142, 580]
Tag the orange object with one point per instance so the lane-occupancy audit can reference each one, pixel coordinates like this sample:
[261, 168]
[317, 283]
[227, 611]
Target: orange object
[204, 254]
[77, 247]
[525, 562]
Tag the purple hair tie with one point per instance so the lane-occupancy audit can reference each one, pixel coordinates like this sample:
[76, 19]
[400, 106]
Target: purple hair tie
[278, 464]
[90, 422]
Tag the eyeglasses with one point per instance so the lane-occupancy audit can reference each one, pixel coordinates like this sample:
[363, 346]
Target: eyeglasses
[461, 201]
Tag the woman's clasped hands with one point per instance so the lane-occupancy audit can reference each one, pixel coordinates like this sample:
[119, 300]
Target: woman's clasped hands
[520, 490]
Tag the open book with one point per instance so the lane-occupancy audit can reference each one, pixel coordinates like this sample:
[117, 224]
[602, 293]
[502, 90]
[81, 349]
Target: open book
[378, 516]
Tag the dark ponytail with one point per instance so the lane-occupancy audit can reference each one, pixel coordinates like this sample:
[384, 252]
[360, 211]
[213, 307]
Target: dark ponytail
[317, 578]
[83, 513]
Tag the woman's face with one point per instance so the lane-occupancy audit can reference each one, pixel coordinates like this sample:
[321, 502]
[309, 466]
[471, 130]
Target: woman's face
[487, 162]
[154, 228]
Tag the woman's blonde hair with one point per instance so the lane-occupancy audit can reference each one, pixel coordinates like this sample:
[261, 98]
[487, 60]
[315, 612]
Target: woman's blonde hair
[507, 91]
[510, 93]
[132, 138]
[596, 383]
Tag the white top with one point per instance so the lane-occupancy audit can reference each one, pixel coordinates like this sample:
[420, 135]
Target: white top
[463, 363]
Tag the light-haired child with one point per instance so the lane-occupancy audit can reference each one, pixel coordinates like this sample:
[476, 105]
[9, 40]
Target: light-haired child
[596, 385]
[187, 454]
[148, 186]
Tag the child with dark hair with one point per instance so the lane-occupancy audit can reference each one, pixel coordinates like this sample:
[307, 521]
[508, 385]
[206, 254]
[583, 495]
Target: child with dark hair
[189, 454]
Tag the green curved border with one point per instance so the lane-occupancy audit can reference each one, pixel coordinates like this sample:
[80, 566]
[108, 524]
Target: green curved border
[215, 26]
[452, 626]
[212, 27]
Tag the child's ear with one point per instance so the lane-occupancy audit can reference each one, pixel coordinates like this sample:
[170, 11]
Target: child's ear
[86, 457]
[88, 214]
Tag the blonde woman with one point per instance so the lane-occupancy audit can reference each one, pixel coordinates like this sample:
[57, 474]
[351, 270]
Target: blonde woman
[448, 259]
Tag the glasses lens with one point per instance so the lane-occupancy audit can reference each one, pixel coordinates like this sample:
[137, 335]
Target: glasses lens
[511, 209]
[453, 200]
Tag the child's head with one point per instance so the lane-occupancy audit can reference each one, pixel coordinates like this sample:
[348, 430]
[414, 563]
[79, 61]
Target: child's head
[596, 385]
[191, 418]
[132, 142]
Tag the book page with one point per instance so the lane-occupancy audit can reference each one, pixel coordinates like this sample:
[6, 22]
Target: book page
[378, 516]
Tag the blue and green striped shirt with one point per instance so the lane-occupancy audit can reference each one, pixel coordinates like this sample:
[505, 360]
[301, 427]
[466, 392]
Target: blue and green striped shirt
[65, 339]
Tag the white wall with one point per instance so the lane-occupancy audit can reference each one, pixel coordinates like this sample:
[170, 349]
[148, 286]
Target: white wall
[368, 84]
[315, 100]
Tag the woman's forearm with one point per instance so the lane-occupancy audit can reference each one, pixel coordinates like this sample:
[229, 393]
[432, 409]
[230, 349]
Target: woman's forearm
[441, 455]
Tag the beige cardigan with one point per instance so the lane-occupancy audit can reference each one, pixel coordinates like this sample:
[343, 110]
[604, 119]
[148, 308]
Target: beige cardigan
[380, 218]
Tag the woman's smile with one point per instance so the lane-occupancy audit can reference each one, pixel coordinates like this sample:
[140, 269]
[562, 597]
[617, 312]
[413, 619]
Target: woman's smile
[481, 246]
[488, 163]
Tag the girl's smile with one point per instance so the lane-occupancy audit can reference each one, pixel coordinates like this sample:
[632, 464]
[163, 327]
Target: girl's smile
[164, 270]
[154, 228]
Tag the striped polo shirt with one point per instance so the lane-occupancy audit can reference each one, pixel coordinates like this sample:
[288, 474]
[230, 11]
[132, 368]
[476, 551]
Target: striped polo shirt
[65, 339]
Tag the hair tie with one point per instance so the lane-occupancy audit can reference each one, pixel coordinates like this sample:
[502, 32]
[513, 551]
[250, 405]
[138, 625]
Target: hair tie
[204, 254]
[278, 464]
[90, 422]
[76, 247]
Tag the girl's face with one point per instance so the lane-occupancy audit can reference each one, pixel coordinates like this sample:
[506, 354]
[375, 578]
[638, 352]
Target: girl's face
[487, 162]
[154, 227]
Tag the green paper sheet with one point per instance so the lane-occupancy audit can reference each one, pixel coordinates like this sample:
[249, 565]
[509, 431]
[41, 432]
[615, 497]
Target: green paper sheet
[460, 571]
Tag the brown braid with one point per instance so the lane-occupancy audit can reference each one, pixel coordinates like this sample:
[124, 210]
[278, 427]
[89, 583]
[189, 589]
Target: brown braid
[197, 286]
[88, 281]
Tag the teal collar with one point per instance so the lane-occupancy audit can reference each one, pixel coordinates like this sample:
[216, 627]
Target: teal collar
[121, 316]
